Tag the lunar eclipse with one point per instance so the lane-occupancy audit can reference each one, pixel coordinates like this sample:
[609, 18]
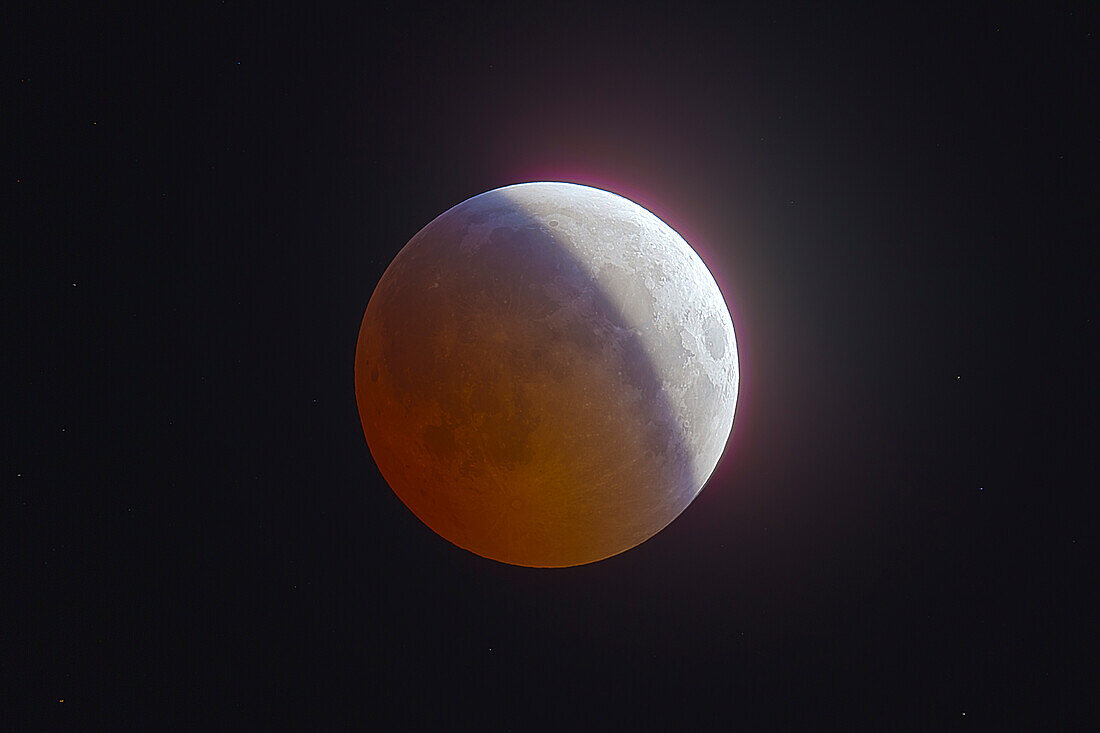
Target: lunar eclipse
[546, 374]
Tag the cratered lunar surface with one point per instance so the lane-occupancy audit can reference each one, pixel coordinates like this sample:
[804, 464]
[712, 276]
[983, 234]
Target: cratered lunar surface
[546, 374]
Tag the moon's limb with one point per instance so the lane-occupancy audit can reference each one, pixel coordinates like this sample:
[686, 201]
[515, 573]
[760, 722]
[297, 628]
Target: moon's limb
[547, 374]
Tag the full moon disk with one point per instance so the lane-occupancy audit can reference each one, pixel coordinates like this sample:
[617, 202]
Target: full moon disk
[546, 374]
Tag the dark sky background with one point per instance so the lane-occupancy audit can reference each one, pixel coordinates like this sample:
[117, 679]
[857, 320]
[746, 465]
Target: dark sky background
[898, 202]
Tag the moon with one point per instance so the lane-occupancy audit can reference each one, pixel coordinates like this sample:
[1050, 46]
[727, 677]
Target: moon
[546, 374]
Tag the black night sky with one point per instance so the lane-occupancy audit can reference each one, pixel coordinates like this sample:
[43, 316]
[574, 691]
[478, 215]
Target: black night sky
[897, 200]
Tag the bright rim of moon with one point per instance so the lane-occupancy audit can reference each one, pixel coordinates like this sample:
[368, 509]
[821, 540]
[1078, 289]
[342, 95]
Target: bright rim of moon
[547, 374]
